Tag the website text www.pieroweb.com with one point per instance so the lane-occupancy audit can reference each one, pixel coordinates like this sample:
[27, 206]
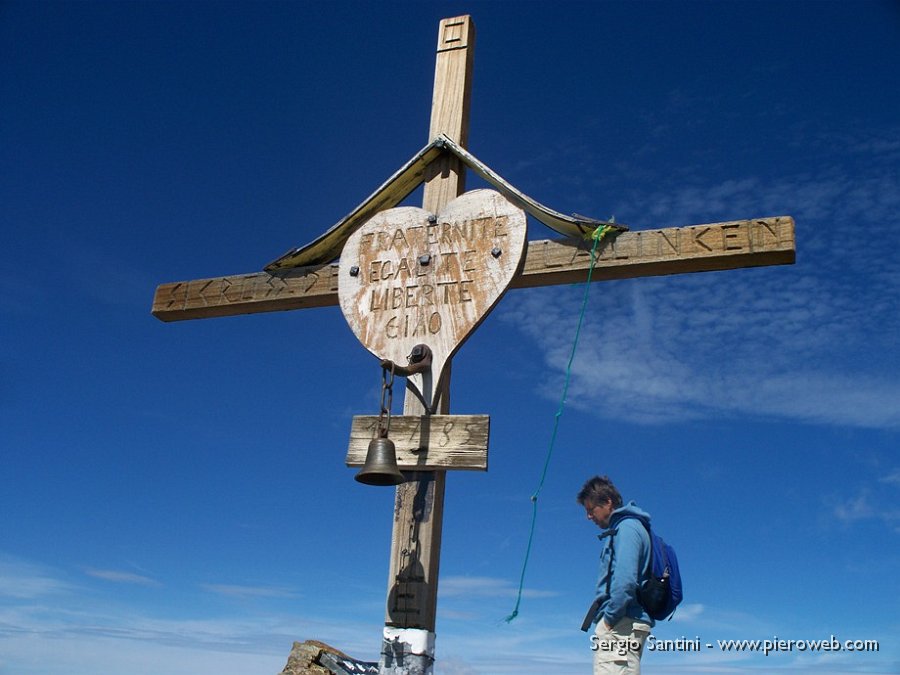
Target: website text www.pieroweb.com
[765, 646]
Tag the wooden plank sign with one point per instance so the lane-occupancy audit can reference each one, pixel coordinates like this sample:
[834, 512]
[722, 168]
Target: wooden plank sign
[548, 262]
[410, 277]
[428, 442]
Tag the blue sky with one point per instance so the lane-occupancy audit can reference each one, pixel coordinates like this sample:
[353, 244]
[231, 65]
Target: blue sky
[173, 497]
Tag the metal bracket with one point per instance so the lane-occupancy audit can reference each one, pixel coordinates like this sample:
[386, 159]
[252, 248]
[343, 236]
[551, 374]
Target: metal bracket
[419, 362]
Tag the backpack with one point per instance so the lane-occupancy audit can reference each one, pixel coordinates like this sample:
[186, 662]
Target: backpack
[661, 593]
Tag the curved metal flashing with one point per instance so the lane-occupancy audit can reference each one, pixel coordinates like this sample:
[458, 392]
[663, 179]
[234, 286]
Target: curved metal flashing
[327, 247]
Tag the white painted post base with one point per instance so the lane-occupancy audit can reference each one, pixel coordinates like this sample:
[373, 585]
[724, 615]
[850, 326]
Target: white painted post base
[406, 651]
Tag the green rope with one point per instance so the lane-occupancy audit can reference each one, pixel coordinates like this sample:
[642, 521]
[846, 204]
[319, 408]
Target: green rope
[597, 235]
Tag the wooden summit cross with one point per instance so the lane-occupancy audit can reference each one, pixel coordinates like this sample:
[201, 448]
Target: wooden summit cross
[482, 263]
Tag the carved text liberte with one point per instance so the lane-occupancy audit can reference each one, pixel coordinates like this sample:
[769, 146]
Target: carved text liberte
[417, 271]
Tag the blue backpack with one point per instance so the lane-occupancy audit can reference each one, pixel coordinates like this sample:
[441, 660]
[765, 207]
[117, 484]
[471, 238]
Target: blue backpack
[661, 593]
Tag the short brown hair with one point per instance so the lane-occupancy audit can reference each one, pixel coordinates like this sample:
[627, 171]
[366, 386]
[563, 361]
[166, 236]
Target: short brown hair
[598, 490]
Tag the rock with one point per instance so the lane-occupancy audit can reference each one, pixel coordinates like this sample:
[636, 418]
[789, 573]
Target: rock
[311, 657]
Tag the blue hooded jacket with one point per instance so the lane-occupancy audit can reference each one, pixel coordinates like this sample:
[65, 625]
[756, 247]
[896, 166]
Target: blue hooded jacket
[630, 566]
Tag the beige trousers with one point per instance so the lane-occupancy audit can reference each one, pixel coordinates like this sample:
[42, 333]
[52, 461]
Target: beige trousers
[618, 651]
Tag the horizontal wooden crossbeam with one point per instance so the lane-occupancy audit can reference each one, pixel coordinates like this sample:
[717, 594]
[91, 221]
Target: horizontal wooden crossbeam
[427, 443]
[673, 250]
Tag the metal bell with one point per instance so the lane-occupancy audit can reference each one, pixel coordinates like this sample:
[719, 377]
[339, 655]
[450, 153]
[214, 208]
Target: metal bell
[381, 464]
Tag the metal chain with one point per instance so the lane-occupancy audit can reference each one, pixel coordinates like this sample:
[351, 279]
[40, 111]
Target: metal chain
[387, 394]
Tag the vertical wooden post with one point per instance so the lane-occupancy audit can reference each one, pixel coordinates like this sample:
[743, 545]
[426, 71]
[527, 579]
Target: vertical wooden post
[408, 646]
[450, 105]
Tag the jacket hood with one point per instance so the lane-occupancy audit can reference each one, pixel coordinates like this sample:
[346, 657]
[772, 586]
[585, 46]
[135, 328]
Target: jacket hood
[629, 510]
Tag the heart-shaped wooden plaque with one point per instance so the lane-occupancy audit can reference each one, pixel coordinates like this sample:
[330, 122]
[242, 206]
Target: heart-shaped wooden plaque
[408, 277]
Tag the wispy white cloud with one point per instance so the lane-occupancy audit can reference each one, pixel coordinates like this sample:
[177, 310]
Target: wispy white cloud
[892, 478]
[801, 342]
[648, 358]
[865, 506]
[90, 655]
[23, 580]
[76, 635]
[481, 587]
[239, 591]
[855, 509]
[118, 576]
[61, 627]
[688, 612]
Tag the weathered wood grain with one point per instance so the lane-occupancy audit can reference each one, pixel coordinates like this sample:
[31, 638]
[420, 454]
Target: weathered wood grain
[426, 443]
[419, 503]
[450, 104]
[673, 250]
[301, 288]
[406, 280]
